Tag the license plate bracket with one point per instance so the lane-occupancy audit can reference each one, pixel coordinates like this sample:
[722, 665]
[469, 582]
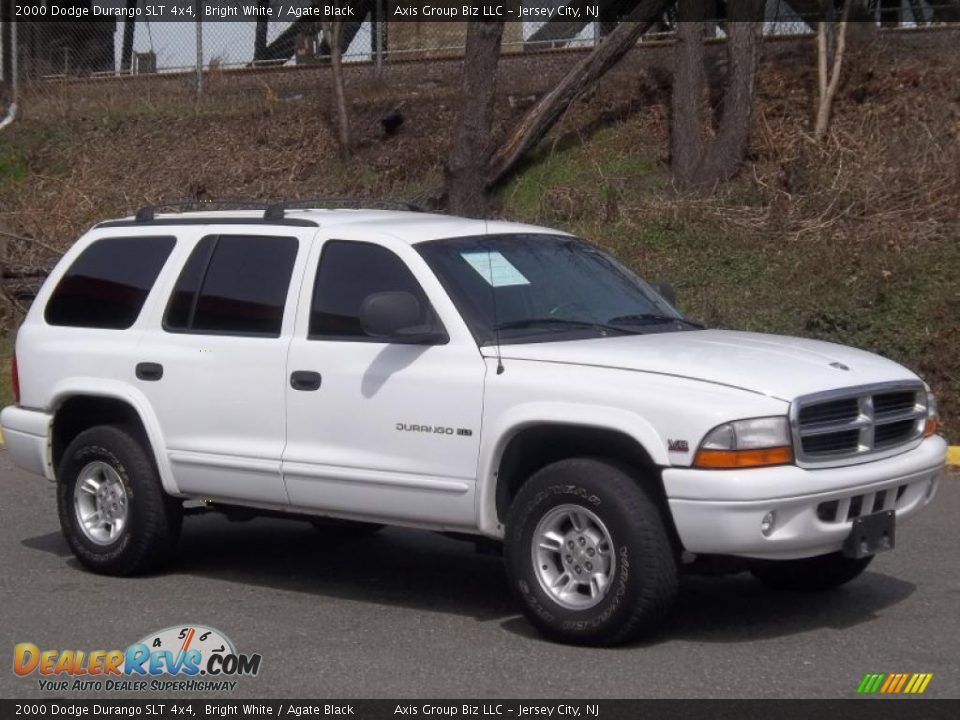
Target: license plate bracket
[871, 534]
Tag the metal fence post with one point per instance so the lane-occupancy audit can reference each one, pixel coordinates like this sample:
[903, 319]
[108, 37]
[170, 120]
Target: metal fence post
[14, 77]
[379, 27]
[199, 50]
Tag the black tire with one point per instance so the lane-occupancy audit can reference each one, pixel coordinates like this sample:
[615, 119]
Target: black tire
[345, 528]
[823, 572]
[645, 578]
[152, 527]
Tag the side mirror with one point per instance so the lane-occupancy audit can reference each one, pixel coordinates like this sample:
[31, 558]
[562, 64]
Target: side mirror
[395, 317]
[666, 292]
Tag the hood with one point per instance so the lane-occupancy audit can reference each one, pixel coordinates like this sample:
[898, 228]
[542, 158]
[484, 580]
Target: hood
[774, 365]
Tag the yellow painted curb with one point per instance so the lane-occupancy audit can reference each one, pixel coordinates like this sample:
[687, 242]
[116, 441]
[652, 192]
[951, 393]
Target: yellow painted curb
[953, 455]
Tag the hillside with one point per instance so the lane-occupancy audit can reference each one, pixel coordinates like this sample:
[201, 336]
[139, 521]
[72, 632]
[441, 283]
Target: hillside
[856, 242]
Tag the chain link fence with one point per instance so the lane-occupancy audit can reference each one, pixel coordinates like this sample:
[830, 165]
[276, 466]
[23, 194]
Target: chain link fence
[66, 65]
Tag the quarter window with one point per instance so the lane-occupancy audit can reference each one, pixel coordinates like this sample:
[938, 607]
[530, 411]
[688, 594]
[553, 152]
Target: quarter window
[348, 273]
[108, 283]
[233, 285]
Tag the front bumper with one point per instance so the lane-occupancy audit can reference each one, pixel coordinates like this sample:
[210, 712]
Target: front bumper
[720, 511]
[26, 434]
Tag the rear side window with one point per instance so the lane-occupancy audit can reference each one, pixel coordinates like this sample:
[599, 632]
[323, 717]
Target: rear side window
[233, 285]
[348, 273]
[108, 283]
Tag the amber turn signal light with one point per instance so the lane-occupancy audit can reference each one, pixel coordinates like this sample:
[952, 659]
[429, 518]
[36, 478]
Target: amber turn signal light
[931, 427]
[731, 459]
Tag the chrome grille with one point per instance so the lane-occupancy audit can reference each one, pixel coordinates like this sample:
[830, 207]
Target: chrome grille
[854, 424]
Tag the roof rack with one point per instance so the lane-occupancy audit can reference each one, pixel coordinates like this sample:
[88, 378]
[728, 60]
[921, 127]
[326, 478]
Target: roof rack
[273, 210]
[147, 213]
[276, 210]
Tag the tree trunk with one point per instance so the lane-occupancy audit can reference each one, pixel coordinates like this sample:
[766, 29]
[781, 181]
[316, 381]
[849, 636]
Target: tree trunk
[726, 154]
[543, 116]
[697, 164]
[686, 104]
[829, 35]
[126, 50]
[466, 176]
[332, 30]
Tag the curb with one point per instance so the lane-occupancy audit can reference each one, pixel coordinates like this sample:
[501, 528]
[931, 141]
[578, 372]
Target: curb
[953, 452]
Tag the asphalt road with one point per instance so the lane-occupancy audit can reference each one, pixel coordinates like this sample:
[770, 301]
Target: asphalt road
[412, 614]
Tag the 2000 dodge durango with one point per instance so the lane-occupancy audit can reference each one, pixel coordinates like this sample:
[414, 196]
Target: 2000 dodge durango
[366, 367]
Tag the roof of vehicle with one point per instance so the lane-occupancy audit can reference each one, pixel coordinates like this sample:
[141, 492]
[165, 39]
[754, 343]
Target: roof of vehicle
[408, 226]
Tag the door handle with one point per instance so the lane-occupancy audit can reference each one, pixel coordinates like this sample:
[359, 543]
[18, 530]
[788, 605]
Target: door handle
[305, 380]
[149, 371]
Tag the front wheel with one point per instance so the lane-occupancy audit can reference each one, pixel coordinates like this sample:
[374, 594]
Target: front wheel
[588, 554]
[114, 513]
[823, 572]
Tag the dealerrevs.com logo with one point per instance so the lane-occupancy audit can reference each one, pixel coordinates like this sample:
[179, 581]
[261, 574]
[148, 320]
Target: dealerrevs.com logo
[188, 658]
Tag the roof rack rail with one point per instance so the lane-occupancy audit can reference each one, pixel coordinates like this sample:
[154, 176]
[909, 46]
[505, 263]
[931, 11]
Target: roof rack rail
[276, 210]
[273, 209]
[146, 213]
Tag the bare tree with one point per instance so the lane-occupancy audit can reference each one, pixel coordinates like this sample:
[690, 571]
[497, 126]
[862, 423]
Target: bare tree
[697, 162]
[332, 30]
[543, 115]
[466, 167]
[831, 44]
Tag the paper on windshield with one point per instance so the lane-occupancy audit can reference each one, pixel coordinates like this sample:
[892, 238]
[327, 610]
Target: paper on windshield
[495, 269]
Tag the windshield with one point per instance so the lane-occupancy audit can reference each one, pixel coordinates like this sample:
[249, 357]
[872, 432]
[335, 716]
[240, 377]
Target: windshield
[538, 288]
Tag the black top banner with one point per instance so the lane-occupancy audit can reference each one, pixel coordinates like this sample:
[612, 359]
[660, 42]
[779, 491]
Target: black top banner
[299, 10]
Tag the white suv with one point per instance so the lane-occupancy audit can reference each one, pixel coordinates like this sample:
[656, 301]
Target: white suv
[510, 382]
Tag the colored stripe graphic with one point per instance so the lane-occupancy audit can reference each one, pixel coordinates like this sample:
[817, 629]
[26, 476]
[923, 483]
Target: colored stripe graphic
[894, 683]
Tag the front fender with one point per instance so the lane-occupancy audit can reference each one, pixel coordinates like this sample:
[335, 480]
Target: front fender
[497, 437]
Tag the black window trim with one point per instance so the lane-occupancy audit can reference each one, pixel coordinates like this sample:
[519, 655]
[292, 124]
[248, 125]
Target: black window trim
[203, 276]
[146, 299]
[366, 338]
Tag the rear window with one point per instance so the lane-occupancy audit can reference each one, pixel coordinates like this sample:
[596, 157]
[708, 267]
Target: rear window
[108, 283]
[233, 285]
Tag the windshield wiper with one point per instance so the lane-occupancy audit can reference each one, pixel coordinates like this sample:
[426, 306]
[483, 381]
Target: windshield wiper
[649, 319]
[533, 322]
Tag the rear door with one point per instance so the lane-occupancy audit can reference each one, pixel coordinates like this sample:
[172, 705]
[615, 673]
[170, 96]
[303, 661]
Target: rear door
[215, 372]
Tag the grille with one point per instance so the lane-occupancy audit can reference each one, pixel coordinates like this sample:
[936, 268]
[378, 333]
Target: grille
[846, 509]
[849, 424]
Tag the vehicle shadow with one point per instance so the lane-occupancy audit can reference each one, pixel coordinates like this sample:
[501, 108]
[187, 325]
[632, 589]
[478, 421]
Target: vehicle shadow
[429, 572]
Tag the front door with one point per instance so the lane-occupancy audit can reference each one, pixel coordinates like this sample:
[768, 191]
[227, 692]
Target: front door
[386, 431]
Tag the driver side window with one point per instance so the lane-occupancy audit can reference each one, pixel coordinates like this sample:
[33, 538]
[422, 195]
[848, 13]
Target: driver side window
[348, 272]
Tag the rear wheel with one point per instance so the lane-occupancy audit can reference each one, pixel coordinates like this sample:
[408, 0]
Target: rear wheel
[588, 554]
[114, 513]
[811, 574]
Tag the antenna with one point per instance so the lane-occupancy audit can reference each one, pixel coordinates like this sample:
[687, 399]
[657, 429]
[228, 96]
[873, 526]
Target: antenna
[496, 320]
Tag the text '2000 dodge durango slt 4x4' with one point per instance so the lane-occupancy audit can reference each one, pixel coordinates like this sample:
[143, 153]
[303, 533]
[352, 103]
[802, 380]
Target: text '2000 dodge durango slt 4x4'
[366, 367]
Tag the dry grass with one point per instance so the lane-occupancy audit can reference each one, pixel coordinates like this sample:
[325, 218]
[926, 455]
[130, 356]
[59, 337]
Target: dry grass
[856, 240]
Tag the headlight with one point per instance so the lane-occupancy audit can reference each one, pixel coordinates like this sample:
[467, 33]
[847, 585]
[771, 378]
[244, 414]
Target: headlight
[932, 425]
[746, 443]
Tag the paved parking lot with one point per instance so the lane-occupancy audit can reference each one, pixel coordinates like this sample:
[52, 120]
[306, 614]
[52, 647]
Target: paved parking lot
[412, 614]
